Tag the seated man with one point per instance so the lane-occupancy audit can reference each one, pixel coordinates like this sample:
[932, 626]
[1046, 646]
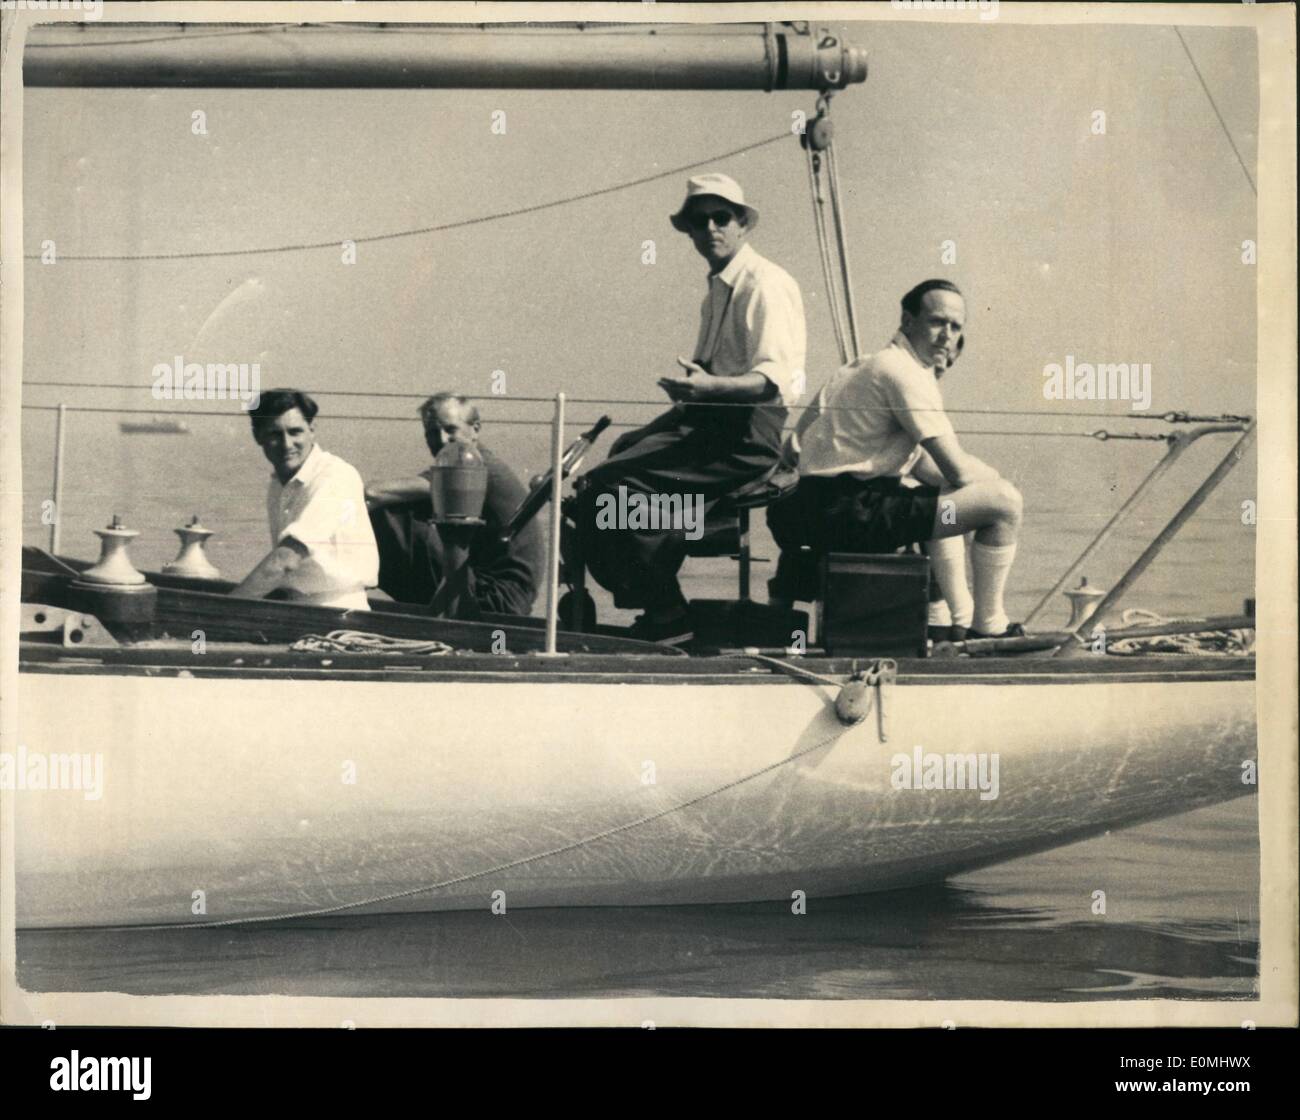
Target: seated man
[503, 574]
[878, 419]
[951, 605]
[725, 427]
[322, 549]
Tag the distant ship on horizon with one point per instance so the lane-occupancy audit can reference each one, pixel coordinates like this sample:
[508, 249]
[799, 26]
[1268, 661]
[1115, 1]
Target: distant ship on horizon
[154, 427]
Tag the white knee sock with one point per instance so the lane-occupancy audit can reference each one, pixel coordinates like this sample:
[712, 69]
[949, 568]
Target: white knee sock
[948, 563]
[938, 614]
[992, 564]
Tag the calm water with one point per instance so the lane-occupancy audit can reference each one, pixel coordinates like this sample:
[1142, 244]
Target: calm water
[1182, 894]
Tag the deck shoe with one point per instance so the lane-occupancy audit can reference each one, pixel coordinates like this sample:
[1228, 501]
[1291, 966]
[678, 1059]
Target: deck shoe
[953, 633]
[1014, 630]
[672, 631]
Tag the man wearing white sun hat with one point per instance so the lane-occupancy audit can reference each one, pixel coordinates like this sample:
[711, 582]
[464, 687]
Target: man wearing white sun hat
[730, 403]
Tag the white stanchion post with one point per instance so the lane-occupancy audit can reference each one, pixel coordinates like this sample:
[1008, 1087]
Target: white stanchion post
[60, 435]
[553, 553]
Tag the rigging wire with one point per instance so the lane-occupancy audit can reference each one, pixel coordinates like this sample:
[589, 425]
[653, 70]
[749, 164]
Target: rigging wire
[1101, 435]
[846, 336]
[1213, 105]
[824, 252]
[482, 219]
[1172, 416]
[837, 214]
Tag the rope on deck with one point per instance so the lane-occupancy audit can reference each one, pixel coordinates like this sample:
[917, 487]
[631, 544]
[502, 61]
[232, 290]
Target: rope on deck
[361, 641]
[1203, 643]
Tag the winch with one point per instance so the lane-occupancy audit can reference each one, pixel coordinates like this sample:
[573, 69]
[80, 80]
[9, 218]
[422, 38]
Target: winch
[112, 590]
[192, 561]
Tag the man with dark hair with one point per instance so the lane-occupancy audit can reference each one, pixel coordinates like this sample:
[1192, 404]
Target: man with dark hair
[724, 429]
[878, 419]
[322, 549]
[503, 574]
[913, 300]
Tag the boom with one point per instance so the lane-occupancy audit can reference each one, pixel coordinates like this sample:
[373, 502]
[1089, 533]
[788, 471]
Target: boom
[743, 56]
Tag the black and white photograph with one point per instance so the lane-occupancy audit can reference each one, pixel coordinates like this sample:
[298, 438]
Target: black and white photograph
[649, 515]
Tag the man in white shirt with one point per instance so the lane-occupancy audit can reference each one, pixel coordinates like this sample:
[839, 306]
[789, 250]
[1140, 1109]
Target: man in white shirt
[881, 418]
[323, 550]
[730, 405]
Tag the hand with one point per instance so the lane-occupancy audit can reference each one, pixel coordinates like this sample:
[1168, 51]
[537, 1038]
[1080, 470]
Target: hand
[686, 386]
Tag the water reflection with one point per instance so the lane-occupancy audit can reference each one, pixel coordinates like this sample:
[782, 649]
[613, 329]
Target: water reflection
[947, 942]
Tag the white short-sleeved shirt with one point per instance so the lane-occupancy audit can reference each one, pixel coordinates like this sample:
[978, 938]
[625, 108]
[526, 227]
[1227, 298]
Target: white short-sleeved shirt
[323, 507]
[876, 411]
[752, 322]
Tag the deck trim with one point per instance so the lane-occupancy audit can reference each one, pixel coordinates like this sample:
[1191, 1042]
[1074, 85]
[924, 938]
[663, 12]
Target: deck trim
[253, 663]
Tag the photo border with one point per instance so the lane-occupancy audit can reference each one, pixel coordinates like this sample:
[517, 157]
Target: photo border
[1276, 568]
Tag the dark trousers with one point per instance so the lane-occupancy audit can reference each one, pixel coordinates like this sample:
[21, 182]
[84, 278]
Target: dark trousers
[407, 569]
[706, 452]
[499, 578]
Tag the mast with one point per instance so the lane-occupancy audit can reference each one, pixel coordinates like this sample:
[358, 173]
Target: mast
[743, 56]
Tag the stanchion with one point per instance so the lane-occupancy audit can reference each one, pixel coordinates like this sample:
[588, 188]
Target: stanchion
[553, 551]
[60, 434]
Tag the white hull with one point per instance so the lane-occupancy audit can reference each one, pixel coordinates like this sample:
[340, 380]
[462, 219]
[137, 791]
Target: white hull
[236, 787]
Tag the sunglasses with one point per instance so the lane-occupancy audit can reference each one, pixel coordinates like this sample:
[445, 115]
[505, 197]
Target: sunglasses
[699, 220]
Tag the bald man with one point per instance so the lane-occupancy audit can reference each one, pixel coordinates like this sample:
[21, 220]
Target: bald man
[881, 418]
[503, 574]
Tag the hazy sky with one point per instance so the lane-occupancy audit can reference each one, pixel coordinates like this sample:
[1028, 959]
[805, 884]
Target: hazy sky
[1116, 247]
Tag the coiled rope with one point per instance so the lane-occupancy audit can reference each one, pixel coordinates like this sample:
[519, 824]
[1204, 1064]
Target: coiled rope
[361, 641]
[1204, 643]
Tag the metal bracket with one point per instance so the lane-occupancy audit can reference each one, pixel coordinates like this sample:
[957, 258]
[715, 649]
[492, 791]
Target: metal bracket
[854, 700]
[770, 53]
[882, 675]
[72, 628]
[832, 72]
